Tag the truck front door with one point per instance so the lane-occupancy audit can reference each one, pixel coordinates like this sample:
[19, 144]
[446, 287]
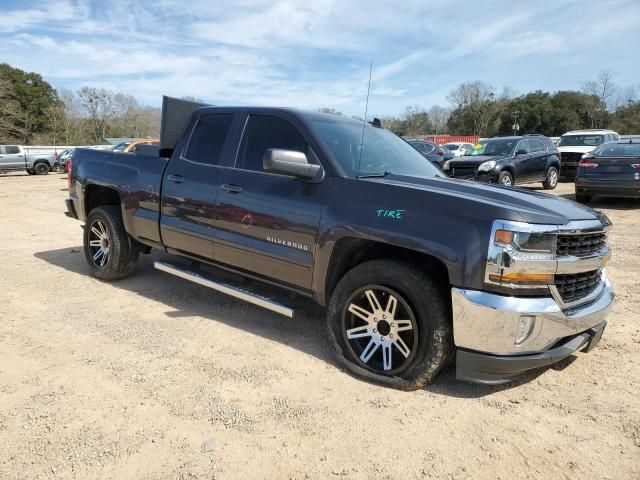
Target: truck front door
[268, 223]
[191, 183]
[11, 158]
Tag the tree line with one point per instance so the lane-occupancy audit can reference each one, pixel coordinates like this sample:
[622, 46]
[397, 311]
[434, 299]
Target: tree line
[33, 112]
[477, 108]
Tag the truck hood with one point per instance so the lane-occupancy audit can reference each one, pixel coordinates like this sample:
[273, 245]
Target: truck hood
[576, 149]
[506, 203]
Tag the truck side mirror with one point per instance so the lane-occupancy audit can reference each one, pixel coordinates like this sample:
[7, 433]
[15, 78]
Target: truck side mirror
[289, 162]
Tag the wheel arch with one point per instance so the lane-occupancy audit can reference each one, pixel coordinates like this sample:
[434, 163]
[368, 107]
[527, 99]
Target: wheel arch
[99, 195]
[348, 252]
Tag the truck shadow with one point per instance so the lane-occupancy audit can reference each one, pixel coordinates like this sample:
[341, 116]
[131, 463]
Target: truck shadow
[305, 332]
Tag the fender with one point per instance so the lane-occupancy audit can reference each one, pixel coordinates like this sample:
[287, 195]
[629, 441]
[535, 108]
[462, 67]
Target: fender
[424, 227]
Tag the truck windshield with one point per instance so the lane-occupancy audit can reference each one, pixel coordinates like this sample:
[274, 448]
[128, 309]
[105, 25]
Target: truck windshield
[580, 140]
[383, 152]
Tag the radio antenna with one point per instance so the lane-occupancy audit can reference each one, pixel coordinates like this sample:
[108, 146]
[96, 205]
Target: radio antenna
[364, 120]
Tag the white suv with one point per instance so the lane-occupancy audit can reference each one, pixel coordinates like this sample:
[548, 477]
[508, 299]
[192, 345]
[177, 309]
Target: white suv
[572, 145]
[458, 148]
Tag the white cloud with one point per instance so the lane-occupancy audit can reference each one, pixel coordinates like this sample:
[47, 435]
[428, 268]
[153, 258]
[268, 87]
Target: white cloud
[316, 54]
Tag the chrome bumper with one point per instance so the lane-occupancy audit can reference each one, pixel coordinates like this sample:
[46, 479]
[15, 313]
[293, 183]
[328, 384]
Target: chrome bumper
[489, 323]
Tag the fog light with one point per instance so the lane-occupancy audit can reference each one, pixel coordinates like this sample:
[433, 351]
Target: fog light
[525, 328]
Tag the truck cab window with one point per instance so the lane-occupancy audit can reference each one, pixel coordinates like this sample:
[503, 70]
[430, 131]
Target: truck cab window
[11, 149]
[208, 137]
[263, 132]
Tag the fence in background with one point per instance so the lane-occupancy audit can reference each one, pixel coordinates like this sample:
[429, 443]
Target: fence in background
[55, 149]
[442, 139]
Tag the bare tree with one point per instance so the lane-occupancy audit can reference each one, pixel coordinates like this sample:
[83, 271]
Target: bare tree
[439, 117]
[602, 89]
[99, 105]
[472, 100]
[416, 121]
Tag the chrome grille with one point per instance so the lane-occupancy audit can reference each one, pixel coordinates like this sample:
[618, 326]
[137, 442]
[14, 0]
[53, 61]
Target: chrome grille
[581, 245]
[575, 286]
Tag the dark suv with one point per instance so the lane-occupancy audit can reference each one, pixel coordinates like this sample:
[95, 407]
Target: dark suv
[509, 161]
[433, 152]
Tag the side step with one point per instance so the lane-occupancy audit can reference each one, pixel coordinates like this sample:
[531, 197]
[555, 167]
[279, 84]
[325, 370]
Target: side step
[228, 289]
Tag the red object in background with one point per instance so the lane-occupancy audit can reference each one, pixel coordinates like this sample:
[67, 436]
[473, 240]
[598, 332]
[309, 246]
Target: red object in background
[442, 139]
[67, 168]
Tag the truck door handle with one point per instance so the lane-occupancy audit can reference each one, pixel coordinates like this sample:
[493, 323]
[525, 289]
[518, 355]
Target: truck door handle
[175, 178]
[231, 188]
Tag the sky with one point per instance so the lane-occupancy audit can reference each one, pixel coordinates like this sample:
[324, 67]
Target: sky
[313, 54]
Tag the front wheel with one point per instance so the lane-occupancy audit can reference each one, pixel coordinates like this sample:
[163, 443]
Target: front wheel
[551, 181]
[390, 323]
[110, 252]
[506, 179]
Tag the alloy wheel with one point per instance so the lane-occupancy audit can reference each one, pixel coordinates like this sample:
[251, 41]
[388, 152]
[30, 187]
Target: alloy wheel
[380, 329]
[99, 243]
[506, 180]
[553, 178]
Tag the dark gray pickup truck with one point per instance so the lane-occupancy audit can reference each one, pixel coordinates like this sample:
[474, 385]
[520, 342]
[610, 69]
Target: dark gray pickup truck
[414, 268]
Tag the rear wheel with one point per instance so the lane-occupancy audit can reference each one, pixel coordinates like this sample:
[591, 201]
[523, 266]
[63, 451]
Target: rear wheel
[389, 322]
[506, 179]
[583, 197]
[41, 168]
[552, 179]
[110, 252]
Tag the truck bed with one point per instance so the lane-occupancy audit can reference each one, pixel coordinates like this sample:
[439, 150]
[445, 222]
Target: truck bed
[137, 179]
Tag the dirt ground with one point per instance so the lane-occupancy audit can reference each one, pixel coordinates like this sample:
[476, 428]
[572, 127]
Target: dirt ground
[156, 378]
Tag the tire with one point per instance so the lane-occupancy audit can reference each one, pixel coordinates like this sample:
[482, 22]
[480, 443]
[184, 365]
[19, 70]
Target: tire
[105, 232]
[583, 197]
[551, 181]
[506, 179]
[41, 168]
[416, 356]
[31, 172]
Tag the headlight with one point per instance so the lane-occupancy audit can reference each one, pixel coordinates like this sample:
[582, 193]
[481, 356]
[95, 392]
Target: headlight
[446, 165]
[541, 245]
[486, 166]
[521, 255]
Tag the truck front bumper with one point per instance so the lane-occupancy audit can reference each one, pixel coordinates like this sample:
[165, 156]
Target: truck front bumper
[489, 330]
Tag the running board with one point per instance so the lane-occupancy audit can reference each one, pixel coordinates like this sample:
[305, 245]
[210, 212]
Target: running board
[228, 289]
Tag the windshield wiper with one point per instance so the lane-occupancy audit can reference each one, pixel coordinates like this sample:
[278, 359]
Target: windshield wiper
[374, 175]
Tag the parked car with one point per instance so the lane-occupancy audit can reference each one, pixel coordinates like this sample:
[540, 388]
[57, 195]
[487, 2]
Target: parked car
[411, 265]
[509, 161]
[612, 170]
[459, 148]
[572, 145]
[16, 157]
[433, 152]
[131, 145]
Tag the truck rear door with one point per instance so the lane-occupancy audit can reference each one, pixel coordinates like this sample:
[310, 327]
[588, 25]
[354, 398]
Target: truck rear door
[268, 223]
[191, 183]
[11, 158]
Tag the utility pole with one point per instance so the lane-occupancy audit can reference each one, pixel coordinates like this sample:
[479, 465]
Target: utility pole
[516, 125]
